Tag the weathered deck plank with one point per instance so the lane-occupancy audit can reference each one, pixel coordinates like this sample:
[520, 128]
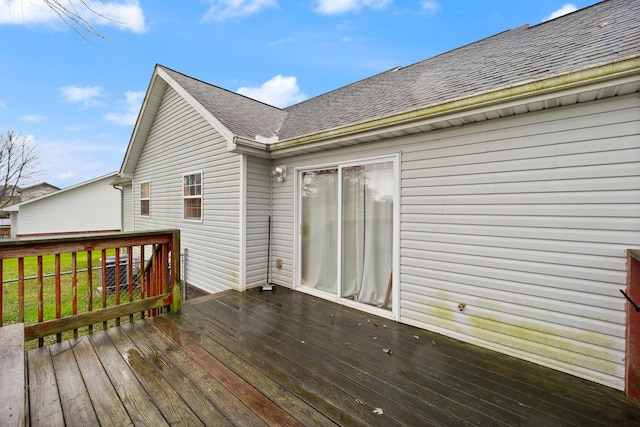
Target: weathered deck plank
[243, 390]
[145, 337]
[174, 409]
[207, 386]
[286, 358]
[139, 405]
[12, 374]
[340, 391]
[74, 397]
[44, 401]
[314, 412]
[109, 410]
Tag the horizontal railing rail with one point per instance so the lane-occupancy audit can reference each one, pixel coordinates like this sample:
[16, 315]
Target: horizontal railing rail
[59, 286]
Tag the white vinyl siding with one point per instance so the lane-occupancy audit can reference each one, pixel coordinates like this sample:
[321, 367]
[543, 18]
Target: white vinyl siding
[524, 219]
[258, 205]
[528, 225]
[127, 207]
[181, 141]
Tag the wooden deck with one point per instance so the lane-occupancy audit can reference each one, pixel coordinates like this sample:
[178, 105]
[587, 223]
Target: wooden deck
[286, 358]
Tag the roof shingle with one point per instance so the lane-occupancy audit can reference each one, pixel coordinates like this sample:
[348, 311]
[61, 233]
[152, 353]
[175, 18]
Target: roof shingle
[602, 33]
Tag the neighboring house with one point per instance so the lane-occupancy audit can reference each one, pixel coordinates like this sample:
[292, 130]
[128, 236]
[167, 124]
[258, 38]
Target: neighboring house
[93, 206]
[492, 189]
[36, 190]
[15, 195]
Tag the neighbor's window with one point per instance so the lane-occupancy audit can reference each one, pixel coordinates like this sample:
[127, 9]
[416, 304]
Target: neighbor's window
[192, 195]
[145, 198]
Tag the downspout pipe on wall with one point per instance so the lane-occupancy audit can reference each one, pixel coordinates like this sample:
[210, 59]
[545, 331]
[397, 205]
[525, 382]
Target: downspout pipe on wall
[119, 188]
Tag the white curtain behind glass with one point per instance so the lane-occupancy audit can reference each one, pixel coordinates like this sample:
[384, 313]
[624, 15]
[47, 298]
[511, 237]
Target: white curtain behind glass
[367, 232]
[320, 229]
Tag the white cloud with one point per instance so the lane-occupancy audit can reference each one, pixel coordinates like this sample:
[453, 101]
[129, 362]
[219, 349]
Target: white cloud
[34, 118]
[65, 175]
[76, 128]
[87, 95]
[3, 105]
[127, 14]
[335, 7]
[430, 6]
[567, 8]
[222, 10]
[132, 103]
[279, 91]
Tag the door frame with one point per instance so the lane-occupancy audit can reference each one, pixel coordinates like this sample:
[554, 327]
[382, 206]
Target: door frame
[394, 313]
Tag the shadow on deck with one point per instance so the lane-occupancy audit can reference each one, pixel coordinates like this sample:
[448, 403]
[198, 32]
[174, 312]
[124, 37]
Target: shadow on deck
[286, 358]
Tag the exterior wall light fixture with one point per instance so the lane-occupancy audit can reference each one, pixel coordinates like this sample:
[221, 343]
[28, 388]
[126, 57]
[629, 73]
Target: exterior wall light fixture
[280, 172]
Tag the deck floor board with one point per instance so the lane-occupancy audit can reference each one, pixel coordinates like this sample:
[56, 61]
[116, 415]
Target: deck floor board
[109, 410]
[140, 407]
[287, 358]
[74, 396]
[44, 400]
[153, 349]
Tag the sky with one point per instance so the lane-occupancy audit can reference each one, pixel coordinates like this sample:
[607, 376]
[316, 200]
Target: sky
[75, 93]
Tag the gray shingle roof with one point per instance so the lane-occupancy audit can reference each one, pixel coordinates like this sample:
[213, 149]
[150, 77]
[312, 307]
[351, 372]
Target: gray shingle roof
[241, 115]
[604, 32]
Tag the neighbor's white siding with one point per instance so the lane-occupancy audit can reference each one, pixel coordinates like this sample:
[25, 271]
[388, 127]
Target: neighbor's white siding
[91, 207]
[180, 142]
[524, 219]
[258, 203]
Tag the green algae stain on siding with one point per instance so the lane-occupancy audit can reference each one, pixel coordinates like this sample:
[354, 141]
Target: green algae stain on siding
[442, 307]
[234, 278]
[586, 349]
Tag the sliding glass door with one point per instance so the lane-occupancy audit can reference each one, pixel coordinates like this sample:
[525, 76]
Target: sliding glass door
[347, 226]
[367, 232]
[319, 264]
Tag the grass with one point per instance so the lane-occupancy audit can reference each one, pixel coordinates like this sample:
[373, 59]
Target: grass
[10, 292]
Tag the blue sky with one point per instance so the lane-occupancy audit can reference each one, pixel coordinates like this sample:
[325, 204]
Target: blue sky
[76, 97]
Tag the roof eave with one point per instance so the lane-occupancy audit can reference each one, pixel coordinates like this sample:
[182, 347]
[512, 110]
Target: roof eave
[497, 99]
[241, 145]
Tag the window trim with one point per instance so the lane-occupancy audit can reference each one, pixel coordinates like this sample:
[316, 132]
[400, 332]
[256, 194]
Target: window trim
[141, 199]
[200, 196]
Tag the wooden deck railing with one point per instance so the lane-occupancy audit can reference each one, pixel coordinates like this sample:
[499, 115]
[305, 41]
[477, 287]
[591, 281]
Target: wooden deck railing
[60, 286]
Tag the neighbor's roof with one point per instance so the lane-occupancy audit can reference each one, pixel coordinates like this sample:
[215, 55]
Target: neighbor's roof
[605, 32]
